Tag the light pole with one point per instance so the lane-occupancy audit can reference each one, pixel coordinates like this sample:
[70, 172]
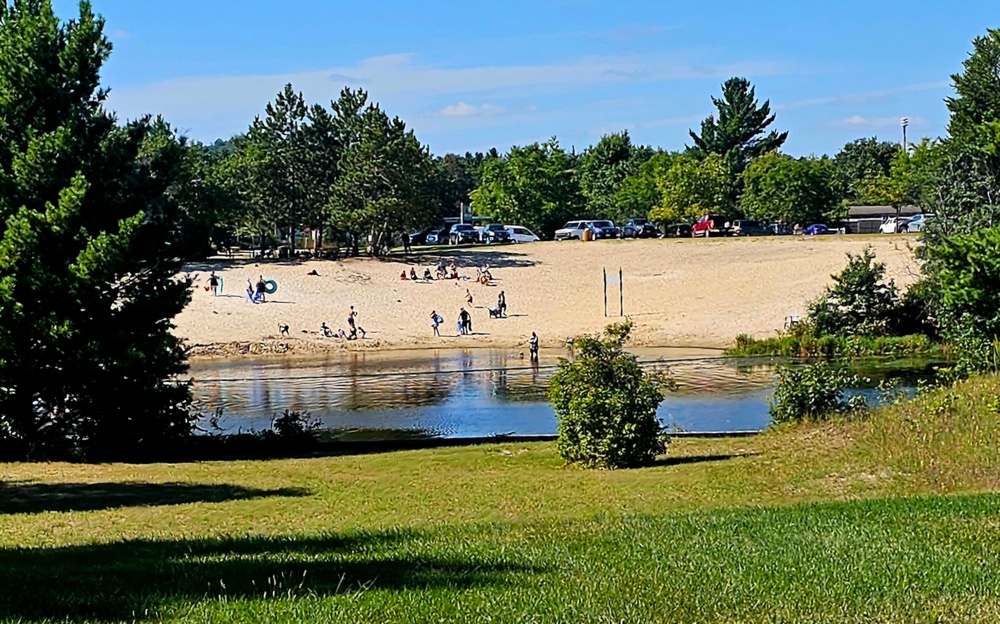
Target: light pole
[903, 123]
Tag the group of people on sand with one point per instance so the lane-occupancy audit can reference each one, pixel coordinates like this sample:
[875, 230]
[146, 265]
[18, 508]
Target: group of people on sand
[352, 324]
[443, 272]
[256, 292]
[464, 323]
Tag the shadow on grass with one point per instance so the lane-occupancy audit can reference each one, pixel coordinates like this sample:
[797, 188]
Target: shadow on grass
[121, 581]
[24, 497]
[699, 459]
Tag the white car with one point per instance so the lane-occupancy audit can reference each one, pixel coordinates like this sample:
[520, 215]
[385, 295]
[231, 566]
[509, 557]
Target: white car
[520, 234]
[893, 225]
[917, 223]
[572, 230]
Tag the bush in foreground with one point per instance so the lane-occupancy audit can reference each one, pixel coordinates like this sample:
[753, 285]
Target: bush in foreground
[606, 404]
[810, 392]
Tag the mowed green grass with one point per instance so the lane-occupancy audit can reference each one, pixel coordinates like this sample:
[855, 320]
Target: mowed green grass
[889, 520]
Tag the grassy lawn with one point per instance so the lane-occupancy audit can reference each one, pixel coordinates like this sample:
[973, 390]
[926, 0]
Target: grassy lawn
[887, 520]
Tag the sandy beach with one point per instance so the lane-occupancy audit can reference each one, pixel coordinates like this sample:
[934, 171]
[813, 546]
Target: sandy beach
[679, 292]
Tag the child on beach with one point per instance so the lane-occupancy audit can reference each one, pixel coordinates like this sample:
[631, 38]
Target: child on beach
[354, 328]
[436, 321]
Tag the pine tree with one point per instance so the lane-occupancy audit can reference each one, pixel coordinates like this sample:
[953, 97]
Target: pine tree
[977, 88]
[87, 254]
[738, 135]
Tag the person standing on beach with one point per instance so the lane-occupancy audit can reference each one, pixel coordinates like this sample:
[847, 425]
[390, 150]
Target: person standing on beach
[502, 304]
[436, 321]
[468, 297]
[354, 328]
[213, 283]
[465, 321]
[533, 347]
[261, 289]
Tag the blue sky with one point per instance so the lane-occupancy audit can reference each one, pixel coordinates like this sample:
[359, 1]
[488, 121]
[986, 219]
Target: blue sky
[473, 75]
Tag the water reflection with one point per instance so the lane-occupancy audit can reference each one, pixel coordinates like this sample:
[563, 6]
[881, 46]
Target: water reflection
[472, 393]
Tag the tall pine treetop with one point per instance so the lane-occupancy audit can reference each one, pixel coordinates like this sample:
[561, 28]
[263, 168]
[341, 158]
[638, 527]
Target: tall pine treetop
[738, 133]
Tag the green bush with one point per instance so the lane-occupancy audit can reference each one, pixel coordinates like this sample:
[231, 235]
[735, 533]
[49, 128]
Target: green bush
[806, 345]
[859, 302]
[810, 392]
[606, 404]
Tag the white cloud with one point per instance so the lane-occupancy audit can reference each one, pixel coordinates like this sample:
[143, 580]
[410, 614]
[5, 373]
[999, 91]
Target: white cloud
[216, 105]
[860, 121]
[118, 34]
[463, 109]
[855, 99]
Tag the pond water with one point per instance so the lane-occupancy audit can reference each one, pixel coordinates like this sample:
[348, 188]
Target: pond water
[482, 392]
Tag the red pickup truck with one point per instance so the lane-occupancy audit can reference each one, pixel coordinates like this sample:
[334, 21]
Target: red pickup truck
[710, 225]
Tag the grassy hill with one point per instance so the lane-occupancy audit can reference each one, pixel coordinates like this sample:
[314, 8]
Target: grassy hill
[891, 519]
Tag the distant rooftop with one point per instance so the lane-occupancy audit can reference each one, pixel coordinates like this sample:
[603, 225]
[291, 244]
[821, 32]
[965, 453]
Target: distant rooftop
[861, 212]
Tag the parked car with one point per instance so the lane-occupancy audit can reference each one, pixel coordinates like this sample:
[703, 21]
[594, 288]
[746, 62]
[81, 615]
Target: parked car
[780, 229]
[420, 238]
[742, 227]
[710, 225]
[917, 223]
[462, 233]
[494, 233]
[815, 229]
[639, 227]
[678, 230]
[573, 229]
[437, 237]
[893, 225]
[604, 229]
[520, 234]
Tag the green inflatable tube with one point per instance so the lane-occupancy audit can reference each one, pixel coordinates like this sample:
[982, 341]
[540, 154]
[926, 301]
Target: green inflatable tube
[270, 287]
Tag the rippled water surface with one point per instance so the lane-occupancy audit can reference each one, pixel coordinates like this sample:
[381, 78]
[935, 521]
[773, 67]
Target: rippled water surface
[475, 393]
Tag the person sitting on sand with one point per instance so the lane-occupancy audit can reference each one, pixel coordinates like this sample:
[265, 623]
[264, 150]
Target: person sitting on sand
[427, 275]
[402, 276]
[325, 331]
[453, 269]
[413, 274]
[442, 273]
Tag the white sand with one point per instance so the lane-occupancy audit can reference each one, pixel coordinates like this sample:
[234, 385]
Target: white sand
[678, 292]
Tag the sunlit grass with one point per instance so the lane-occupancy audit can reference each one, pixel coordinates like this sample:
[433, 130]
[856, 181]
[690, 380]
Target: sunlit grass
[884, 520]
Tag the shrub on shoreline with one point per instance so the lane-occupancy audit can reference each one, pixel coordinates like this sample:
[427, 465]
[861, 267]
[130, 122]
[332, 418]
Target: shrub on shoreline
[606, 404]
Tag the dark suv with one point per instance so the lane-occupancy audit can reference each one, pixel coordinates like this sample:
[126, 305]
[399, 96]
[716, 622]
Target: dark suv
[639, 228]
[462, 233]
[604, 229]
[742, 227]
[494, 233]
